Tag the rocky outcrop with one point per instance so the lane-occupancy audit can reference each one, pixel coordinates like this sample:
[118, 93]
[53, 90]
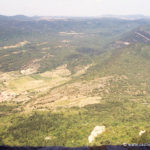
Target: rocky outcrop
[97, 131]
[7, 95]
[141, 132]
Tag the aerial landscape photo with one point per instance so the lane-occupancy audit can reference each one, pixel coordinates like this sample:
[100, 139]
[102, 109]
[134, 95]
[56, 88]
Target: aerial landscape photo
[74, 72]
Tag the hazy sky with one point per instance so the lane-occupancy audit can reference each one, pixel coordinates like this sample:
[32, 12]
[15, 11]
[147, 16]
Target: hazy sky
[74, 7]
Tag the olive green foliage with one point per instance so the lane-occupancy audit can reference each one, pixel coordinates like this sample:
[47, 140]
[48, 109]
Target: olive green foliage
[123, 121]
[123, 109]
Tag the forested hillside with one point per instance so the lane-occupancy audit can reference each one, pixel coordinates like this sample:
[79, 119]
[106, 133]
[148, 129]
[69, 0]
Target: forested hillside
[61, 77]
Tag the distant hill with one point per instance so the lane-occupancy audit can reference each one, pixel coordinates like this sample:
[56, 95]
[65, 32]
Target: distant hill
[127, 17]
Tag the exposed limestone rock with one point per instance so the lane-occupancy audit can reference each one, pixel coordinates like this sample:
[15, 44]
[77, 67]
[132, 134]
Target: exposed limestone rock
[15, 46]
[31, 68]
[42, 43]
[59, 71]
[81, 70]
[97, 131]
[122, 42]
[65, 41]
[28, 71]
[46, 48]
[7, 95]
[141, 132]
[48, 138]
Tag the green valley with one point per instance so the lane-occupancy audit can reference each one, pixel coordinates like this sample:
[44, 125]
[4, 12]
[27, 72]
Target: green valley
[61, 78]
